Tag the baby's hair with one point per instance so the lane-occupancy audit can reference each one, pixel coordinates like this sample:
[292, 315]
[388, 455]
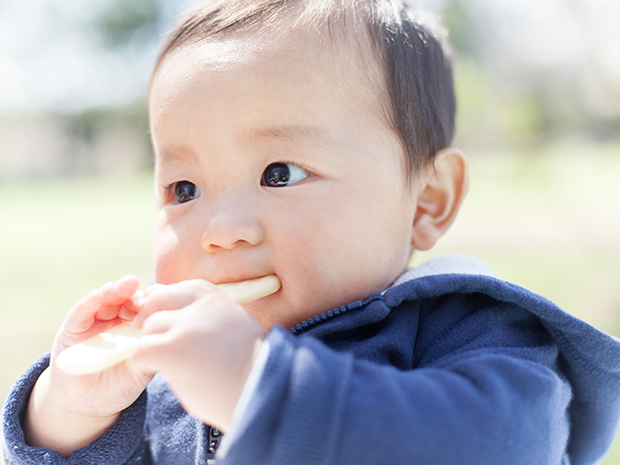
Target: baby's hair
[411, 51]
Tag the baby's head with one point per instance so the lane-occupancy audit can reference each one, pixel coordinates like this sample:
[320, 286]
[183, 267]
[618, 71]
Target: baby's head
[307, 139]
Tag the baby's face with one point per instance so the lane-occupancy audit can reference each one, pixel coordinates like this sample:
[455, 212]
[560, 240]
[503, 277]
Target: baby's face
[272, 158]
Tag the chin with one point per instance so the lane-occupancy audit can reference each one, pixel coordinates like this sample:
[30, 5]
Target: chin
[264, 311]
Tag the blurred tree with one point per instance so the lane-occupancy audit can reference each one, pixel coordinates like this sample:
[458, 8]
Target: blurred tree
[123, 28]
[527, 75]
[461, 22]
[122, 23]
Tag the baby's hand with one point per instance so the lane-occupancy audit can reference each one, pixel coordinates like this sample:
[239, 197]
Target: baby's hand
[204, 343]
[68, 411]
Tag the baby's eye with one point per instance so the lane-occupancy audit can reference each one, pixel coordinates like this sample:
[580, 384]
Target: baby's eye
[184, 191]
[282, 174]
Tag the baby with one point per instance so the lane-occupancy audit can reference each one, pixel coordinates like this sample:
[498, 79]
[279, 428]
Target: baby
[310, 140]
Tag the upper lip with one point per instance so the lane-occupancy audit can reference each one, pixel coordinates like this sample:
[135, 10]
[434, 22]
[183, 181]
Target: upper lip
[232, 269]
[238, 275]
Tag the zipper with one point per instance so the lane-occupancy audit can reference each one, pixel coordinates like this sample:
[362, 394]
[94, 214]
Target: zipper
[323, 317]
[215, 436]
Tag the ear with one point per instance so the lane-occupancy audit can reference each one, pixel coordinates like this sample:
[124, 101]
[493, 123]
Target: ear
[440, 197]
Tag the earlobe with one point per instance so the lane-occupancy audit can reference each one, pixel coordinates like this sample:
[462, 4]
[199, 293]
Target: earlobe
[440, 198]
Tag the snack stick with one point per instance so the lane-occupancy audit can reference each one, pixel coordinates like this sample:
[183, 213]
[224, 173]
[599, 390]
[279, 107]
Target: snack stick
[115, 345]
[244, 292]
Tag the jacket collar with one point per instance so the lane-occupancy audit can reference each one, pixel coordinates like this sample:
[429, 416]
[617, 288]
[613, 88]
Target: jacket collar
[447, 264]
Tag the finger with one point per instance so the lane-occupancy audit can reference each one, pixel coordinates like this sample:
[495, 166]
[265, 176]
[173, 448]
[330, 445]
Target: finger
[127, 285]
[155, 287]
[173, 297]
[194, 285]
[152, 353]
[117, 296]
[82, 314]
[90, 315]
[107, 313]
[138, 299]
[119, 291]
[67, 338]
[126, 314]
[159, 322]
[128, 310]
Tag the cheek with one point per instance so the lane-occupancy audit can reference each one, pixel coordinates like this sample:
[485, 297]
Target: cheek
[176, 247]
[303, 235]
[313, 254]
[356, 247]
[168, 256]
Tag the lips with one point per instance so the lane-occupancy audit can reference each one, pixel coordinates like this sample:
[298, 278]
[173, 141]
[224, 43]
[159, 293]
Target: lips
[222, 272]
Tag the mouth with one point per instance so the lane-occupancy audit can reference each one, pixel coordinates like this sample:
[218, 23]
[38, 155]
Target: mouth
[250, 290]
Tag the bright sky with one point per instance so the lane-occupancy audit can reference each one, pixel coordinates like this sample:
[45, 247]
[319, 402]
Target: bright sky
[49, 59]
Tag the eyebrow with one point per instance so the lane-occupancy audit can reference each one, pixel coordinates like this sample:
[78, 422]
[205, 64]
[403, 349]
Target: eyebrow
[296, 133]
[173, 156]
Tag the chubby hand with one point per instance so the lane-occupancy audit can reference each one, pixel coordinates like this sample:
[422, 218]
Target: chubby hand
[203, 343]
[68, 411]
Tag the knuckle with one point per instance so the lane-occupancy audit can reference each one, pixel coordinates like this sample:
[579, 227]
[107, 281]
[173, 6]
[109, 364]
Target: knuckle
[154, 288]
[200, 285]
[154, 322]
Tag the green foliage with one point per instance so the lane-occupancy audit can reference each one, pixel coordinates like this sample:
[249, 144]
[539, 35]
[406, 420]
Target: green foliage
[123, 22]
[85, 125]
[461, 22]
[473, 94]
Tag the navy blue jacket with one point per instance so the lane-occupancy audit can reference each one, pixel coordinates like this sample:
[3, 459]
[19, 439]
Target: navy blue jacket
[450, 365]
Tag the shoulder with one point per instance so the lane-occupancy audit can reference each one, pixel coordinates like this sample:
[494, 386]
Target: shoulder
[461, 292]
[455, 305]
[467, 283]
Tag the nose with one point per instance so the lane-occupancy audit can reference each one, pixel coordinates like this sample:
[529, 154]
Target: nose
[230, 226]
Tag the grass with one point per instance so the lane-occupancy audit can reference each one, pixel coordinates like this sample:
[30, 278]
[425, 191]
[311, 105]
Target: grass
[58, 240]
[548, 221]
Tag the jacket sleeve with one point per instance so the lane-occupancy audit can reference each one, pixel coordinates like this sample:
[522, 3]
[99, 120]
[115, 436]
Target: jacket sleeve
[483, 404]
[124, 443]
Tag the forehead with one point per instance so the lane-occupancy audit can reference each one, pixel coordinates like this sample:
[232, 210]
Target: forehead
[318, 66]
[243, 90]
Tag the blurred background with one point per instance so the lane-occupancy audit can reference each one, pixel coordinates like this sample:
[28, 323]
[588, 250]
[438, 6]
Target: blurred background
[538, 85]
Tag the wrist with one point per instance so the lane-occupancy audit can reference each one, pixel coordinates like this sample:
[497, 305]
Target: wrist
[50, 425]
[261, 355]
[231, 391]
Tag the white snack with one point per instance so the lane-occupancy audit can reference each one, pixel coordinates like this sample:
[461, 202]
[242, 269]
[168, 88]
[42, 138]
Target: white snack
[244, 292]
[115, 345]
